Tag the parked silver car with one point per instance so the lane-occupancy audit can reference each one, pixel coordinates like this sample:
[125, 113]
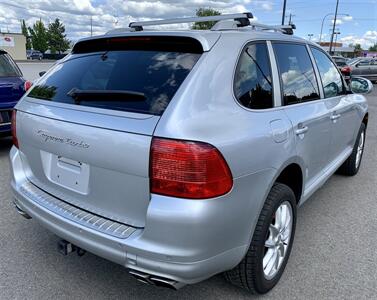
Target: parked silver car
[366, 67]
[184, 154]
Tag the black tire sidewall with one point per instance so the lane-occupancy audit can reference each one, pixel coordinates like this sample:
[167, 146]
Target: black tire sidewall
[354, 154]
[263, 285]
[348, 168]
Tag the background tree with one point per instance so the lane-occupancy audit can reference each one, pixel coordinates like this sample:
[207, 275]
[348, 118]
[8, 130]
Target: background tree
[373, 48]
[25, 32]
[39, 36]
[56, 37]
[358, 48]
[205, 12]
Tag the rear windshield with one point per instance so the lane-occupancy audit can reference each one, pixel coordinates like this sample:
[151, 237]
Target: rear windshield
[7, 67]
[156, 75]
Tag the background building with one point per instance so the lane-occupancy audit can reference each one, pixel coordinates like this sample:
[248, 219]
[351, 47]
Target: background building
[339, 49]
[14, 44]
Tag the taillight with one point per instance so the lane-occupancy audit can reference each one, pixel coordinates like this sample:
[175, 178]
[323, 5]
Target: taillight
[346, 69]
[184, 169]
[14, 129]
[27, 85]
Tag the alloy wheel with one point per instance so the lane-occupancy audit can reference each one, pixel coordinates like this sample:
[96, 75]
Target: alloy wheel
[278, 239]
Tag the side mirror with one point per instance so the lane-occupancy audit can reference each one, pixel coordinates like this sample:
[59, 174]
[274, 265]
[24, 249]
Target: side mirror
[42, 73]
[360, 85]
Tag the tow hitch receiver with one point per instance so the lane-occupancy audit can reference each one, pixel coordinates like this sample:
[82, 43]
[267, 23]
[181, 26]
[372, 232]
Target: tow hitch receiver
[65, 248]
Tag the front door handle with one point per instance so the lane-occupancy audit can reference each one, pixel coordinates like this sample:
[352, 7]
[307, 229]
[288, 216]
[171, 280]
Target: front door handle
[302, 130]
[335, 117]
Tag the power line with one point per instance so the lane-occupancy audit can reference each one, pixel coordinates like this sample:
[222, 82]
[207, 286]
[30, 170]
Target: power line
[343, 2]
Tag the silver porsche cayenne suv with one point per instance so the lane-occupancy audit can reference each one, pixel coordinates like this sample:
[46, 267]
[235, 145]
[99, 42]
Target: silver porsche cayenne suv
[184, 154]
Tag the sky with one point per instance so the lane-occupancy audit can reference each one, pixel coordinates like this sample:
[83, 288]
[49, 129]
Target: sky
[357, 21]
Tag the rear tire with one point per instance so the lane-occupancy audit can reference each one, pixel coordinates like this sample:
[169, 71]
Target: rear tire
[255, 273]
[352, 165]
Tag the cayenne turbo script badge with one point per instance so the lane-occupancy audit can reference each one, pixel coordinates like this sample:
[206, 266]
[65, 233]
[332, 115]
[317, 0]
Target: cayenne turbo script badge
[47, 137]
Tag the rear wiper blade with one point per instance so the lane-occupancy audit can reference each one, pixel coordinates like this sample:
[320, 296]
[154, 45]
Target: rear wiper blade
[103, 95]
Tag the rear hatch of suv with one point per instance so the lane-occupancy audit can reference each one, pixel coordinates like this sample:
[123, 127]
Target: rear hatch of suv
[85, 128]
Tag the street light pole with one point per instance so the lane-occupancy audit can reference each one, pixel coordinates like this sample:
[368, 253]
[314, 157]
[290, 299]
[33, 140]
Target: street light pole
[333, 27]
[323, 21]
[284, 8]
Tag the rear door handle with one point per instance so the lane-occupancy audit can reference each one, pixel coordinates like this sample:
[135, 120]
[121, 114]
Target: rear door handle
[335, 117]
[302, 130]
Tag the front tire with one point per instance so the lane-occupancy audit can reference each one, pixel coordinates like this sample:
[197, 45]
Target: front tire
[264, 263]
[352, 165]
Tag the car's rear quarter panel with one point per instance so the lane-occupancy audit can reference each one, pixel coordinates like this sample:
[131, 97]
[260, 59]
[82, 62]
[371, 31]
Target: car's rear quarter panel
[205, 109]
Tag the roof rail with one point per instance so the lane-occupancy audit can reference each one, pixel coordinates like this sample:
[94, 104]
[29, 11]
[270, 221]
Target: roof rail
[234, 24]
[286, 29]
[224, 22]
[242, 18]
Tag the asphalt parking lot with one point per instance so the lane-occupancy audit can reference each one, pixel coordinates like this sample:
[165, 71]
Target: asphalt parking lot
[31, 69]
[333, 257]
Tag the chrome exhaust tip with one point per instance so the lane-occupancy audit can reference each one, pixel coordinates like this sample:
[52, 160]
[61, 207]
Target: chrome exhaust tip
[21, 212]
[167, 283]
[141, 277]
[156, 281]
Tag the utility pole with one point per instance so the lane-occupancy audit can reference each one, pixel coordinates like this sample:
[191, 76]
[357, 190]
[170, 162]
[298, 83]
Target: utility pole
[284, 8]
[333, 27]
[290, 18]
[336, 39]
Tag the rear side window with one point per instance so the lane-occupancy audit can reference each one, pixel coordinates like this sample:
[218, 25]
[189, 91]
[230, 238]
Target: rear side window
[131, 76]
[331, 79]
[253, 82]
[7, 67]
[340, 62]
[297, 75]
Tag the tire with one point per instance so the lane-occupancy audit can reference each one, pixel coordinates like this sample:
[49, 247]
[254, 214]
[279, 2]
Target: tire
[352, 165]
[250, 274]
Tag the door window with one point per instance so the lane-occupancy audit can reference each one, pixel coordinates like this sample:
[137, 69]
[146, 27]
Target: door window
[331, 79]
[297, 75]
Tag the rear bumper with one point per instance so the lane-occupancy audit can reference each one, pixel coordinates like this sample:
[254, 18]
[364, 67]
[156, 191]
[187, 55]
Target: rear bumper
[184, 241]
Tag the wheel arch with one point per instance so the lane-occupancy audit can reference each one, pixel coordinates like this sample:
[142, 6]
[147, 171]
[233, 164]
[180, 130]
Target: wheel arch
[292, 176]
[365, 119]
